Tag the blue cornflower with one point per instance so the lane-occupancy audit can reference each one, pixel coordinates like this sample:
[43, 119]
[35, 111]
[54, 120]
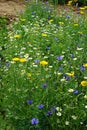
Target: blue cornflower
[41, 106]
[34, 121]
[7, 64]
[55, 38]
[33, 13]
[48, 48]
[67, 77]
[76, 92]
[37, 61]
[49, 17]
[53, 108]
[44, 85]
[72, 56]
[82, 68]
[61, 68]
[49, 113]
[68, 16]
[37, 128]
[30, 102]
[59, 57]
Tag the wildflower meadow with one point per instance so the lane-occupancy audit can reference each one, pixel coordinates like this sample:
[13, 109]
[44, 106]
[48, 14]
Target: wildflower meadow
[43, 69]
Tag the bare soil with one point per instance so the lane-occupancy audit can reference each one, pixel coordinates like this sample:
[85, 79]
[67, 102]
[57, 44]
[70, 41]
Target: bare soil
[10, 8]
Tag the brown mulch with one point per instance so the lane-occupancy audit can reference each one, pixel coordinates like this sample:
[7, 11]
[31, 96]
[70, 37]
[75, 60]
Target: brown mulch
[10, 8]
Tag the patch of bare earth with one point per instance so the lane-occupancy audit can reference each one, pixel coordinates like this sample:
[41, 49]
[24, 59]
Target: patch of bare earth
[10, 8]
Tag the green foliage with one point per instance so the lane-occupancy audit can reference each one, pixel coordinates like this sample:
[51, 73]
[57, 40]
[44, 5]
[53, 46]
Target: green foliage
[59, 1]
[3, 63]
[80, 2]
[45, 64]
[62, 2]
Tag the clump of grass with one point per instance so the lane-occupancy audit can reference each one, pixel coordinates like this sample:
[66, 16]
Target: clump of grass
[45, 82]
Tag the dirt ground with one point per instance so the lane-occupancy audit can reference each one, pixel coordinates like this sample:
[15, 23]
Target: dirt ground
[10, 8]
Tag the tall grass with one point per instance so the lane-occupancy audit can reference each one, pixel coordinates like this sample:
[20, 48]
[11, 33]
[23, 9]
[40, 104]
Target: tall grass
[45, 80]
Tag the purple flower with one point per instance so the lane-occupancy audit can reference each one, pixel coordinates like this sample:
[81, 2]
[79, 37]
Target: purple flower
[44, 85]
[67, 77]
[7, 64]
[72, 56]
[29, 102]
[34, 121]
[75, 92]
[55, 38]
[59, 57]
[41, 106]
[53, 108]
[61, 68]
[47, 48]
[68, 16]
[49, 113]
[37, 61]
[82, 68]
[49, 17]
[33, 13]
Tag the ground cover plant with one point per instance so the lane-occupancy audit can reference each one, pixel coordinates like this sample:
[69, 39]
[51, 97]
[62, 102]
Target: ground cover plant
[44, 71]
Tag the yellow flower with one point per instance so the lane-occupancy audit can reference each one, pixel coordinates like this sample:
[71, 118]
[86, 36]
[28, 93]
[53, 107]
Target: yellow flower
[84, 83]
[69, 3]
[44, 34]
[51, 20]
[85, 65]
[85, 96]
[85, 7]
[75, 24]
[22, 59]
[75, 0]
[61, 23]
[70, 74]
[16, 36]
[43, 63]
[70, 90]
[36, 25]
[81, 12]
[28, 43]
[22, 20]
[29, 75]
[80, 33]
[22, 72]
[82, 8]
[15, 59]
